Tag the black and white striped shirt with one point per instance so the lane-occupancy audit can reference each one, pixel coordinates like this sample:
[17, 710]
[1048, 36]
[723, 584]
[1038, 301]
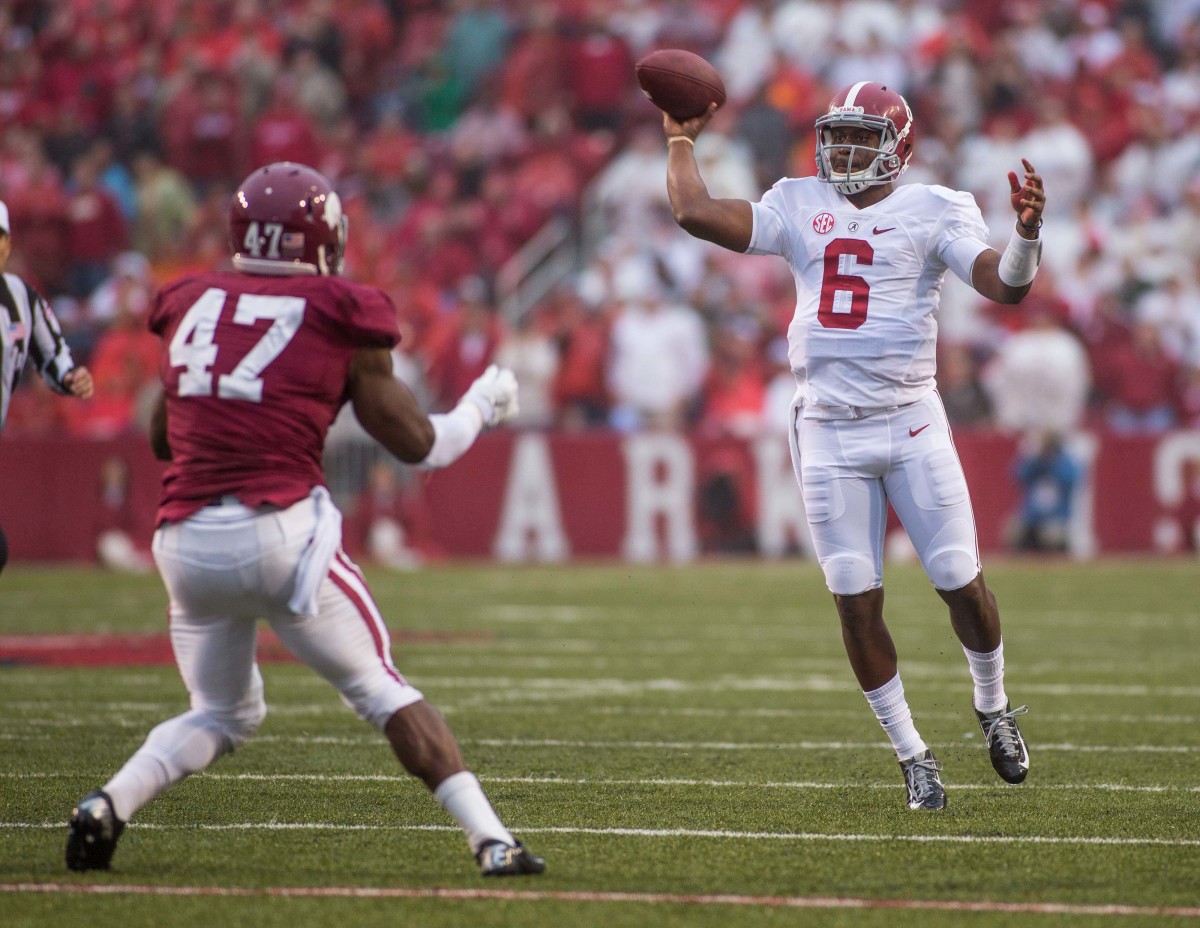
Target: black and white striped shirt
[28, 329]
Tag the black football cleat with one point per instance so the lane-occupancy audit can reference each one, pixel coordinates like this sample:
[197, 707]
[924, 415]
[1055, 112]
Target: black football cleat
[922, 776]
[92, 833]
[499, 859]
[1009, 754]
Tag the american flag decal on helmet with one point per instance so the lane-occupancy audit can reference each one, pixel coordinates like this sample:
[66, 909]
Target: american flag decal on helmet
[291, 245]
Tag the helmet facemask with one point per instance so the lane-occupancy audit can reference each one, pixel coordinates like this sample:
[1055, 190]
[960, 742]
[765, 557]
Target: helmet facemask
[332, 263]
[885, 166]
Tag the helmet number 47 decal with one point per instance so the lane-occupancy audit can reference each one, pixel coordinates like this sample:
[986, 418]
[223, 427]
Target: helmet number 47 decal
[844, 295]
[268, 237]
[194, 345]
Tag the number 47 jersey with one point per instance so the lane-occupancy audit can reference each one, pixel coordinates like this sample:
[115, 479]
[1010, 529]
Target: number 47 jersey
[255, 369]
[868, 283]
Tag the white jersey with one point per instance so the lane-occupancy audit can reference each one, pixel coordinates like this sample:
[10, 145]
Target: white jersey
[868, 282]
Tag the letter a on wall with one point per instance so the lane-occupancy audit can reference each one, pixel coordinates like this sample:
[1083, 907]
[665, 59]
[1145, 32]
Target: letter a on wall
[531, 526]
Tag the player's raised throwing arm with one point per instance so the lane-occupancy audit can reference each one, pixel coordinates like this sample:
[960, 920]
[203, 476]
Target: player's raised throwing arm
[1006, 277]
[728, 223]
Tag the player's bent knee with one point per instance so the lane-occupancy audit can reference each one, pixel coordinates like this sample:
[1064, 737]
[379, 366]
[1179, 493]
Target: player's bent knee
[238, 724]
[242, 725]
[849, 574]
[375, 702]
[952, 568]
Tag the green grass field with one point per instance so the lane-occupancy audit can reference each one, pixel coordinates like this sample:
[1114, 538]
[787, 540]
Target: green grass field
[674, 731]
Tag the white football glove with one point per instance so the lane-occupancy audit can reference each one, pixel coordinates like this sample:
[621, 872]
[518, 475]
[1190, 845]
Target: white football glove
[494, 394]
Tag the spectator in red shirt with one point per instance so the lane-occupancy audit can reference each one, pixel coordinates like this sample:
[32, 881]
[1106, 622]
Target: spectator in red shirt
[97, 231]
[284, 132]
[600, 67]
[1144, 382]
[734, 391]
[124, 366]
[533, 75]
[580, 391]
[203, 133]
[39, 208]
[466, 348]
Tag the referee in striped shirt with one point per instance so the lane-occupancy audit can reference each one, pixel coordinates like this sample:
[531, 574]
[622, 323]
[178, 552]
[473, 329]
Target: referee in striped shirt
[28, 329]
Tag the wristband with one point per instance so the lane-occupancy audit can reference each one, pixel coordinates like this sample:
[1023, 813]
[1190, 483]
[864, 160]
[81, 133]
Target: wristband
[681, 138]
[1019, 263]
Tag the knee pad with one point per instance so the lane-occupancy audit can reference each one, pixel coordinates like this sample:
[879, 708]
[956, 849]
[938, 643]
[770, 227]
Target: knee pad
[849, 574]
[951, 568]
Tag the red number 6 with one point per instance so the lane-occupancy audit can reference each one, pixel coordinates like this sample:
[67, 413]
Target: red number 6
[835, 281]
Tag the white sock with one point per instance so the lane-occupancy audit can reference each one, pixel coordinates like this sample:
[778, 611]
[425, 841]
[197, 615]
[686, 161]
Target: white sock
[987, 670]
[463, 797]
[174, 750]
[891, 708]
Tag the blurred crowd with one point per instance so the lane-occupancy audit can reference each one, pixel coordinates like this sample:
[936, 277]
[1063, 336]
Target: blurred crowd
[456, 129]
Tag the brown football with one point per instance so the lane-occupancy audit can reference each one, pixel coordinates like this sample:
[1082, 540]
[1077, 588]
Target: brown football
[679, 82]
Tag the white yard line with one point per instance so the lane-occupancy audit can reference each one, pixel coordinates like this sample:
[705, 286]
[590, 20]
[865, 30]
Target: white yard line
[336, 710]
[722, 745]
[405, 779]
[799, 836]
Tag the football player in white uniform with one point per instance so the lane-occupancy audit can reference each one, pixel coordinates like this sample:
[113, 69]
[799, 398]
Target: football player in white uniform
[868, 427]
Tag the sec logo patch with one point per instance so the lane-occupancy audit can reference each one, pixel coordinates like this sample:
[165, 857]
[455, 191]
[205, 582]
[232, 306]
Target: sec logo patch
[823, 223]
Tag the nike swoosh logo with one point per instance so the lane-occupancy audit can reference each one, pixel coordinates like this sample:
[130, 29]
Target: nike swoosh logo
[913, 433]
[879, 231]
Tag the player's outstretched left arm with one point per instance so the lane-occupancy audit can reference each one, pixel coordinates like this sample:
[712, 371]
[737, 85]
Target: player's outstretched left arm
[388, 411]
[1006, 277]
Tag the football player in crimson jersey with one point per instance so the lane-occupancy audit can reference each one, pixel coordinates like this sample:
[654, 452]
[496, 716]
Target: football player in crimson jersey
[255, 366]
[868, 258]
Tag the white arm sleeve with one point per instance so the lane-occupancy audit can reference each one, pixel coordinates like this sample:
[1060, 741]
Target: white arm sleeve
[960, 256]
[961, 235]
[453, 433]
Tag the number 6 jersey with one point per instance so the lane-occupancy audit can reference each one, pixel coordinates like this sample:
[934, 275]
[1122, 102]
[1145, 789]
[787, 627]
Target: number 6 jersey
[868, 283]
[255, 370]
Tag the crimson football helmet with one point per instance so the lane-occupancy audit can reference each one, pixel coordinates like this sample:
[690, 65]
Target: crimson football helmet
[287, 219]
[880, 109]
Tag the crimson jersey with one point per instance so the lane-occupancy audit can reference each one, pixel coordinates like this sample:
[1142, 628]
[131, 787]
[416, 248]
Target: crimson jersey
[254, 369]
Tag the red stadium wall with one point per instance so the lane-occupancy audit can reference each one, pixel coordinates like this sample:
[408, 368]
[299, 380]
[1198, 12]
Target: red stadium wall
[547, 497]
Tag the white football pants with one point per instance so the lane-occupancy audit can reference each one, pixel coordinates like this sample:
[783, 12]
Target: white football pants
[850, 469]
[227, 566]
